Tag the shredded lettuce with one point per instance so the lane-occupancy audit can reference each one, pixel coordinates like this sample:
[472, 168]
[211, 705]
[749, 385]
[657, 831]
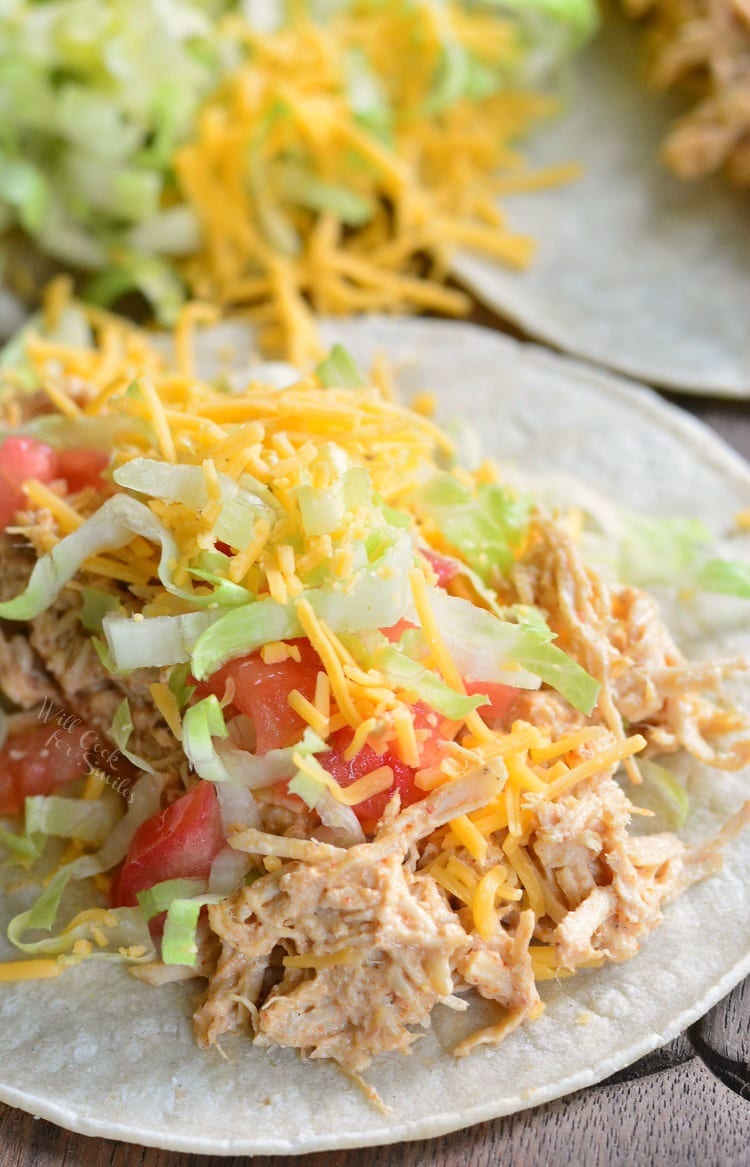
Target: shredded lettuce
[409, 675]
[241, 506]
[485, 526]
[182, 900]
[674, 552]
[89, 821]
[242, 631]
[339, 371]
[308, 788]
[377, 597]
[24, 849]
[255, 771]
[483, 647]
[94, 608]
[663, 793]
[122, 728]
[126, 927]
[179, 684]
[123, 928]
[550, 32]
[179, 944]
[71, 328]
[726, 577]
[111, 527]
[201, 724]
[298, 184]
[96, 96]
[156, 641]
[340, 820]
[467, 445]
[323, 510]
[230, 868]
[155, 900]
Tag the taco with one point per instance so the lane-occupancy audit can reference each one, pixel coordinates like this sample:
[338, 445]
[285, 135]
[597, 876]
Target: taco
[358, 836]
[626, 254]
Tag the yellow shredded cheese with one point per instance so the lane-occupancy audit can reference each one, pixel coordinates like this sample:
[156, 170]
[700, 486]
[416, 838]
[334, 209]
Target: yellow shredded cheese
[166, 702]
[308, 712]
[41, 496]
[331, 214]
[344, 956]
[483, 902]
[29, 970]
[321, 642]
[601, 761]
[277, 651]
[470, 837]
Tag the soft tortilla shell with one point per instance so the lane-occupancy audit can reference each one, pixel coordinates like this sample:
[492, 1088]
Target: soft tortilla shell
[99, 1053]
[635, 269]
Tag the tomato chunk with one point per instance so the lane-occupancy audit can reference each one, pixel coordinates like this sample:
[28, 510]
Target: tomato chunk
[261, 691]
[445, 569]
[346, 772]
[22, 458]
[431, 730]
[502, 698]
[179, 842]
[38, 760]
[397, 630]
[81, 468]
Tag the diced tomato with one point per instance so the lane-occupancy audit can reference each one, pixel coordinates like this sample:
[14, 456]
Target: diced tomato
[22, 458]
[261, 691]
[179, 842]
[38, 760]
[431, 730]
[396, 631]
[502, 698]
[81, 468]
[346, 772]
[445, 569]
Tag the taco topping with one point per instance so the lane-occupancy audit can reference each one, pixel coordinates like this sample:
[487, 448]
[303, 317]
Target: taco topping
[702, 48]
[274, 156]
[346, 728]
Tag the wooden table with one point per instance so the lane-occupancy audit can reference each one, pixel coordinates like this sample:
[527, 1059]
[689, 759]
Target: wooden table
[687, 1105]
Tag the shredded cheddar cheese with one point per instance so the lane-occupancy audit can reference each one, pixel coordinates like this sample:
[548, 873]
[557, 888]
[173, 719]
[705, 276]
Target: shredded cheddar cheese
[29, 970]
[307, 198]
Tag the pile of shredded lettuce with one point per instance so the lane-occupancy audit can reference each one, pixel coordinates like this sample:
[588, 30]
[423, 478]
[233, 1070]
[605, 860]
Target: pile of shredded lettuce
[97, 95]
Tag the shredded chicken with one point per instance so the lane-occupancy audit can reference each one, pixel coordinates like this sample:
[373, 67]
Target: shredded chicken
[612, 885]
[52, 657]
[371, 944]
[618, 635]
[500, 970]
[702, 48]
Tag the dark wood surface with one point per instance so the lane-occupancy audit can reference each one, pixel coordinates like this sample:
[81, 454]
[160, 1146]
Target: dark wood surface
[687, 1105]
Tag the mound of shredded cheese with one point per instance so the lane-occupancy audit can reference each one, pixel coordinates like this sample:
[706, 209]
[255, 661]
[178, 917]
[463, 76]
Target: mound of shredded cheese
[340, 165]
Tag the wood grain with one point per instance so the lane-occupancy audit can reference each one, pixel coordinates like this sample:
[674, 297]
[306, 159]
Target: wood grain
[722, 1040]
[687, 1105]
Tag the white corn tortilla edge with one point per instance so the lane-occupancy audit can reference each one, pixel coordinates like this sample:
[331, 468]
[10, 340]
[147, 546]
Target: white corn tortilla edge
[634, 269]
